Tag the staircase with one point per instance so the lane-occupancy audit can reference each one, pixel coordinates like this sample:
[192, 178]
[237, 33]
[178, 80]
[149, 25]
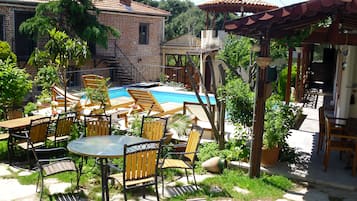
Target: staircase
[122, 70]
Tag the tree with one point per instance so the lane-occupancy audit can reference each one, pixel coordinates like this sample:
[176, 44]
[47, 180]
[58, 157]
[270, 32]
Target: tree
[218, 128]
[14, 84]
[78, 18]
[60, 52]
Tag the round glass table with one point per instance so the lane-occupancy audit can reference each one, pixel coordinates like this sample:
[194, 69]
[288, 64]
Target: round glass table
[103, 147]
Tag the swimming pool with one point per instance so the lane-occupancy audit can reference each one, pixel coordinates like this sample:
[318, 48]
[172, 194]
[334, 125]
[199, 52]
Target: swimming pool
[163, 96]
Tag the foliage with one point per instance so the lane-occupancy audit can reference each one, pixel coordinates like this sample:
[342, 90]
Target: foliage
[240, 101]
[29, 107]
[14, 84]
[277, 50]
[236, 149]
[135, 125]
[295, 40]
[264, 188]
[77, 18]
[98, 94]
[179, 123]
[236, 52]
[191, 21]
[6, 53]
[283, 76]
[279, 118]
[60, 52]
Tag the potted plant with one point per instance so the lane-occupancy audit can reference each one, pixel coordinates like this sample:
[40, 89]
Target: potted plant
[279, 118]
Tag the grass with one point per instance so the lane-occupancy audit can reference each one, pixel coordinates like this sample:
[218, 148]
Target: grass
[264, 188]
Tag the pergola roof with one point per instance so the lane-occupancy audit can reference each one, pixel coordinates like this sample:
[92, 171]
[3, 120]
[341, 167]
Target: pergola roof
[220, 6]
[285, 21]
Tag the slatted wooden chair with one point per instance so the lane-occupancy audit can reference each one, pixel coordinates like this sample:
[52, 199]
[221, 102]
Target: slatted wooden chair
[96, 125]
[11, 114]
[64, 124]
[337, 139]
[153, 128]
[51, 161]
[36, 137]
[188, 157]
[147, 102]
[140, 167]
[93, 81]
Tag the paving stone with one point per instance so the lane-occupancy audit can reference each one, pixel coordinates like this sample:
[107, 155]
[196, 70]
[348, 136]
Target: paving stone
[55, 186]
[296, 195]
[11, 189]
[4, 171]
[241, 190]
[313, 194]
[25, 173]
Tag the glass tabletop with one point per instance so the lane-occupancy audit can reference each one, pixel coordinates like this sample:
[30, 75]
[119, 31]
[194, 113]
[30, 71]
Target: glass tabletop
[110, 146]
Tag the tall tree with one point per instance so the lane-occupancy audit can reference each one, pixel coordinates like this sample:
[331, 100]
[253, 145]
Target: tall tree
[78, 18]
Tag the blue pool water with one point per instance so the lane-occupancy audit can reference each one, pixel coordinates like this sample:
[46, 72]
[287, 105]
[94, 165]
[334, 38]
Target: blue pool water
[163, 96]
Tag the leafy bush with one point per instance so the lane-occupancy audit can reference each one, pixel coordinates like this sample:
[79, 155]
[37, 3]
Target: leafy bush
[14, 84]
[239, 102]
[279, 118]
[29, 107]
[6, 53]
[283, 76]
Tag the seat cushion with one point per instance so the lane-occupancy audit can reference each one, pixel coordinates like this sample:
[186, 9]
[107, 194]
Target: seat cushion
[60, 138]
[23, 145]
[59, 166]
[119, 178]
[175, 163]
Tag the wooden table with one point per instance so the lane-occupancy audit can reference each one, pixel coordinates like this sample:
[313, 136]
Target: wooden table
[15, 124]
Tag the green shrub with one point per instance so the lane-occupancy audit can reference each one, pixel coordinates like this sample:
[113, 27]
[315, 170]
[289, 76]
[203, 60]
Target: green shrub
[29, 107]
[283, 77]
[14, 84]
[239, 102]
[6, 53]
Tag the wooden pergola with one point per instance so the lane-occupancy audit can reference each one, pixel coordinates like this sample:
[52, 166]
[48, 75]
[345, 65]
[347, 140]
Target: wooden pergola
[213, 7]
[289, 21]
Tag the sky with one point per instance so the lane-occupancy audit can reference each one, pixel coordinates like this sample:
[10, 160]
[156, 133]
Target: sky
[279, 3]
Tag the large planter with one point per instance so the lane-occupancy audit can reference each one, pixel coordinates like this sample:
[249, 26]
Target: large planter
[270, 156]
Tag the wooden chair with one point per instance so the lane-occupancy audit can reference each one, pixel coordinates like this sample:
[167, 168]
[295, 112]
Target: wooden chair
[153, 128]
[96, 125]
[51, 161]
[35, 137]
[93, 81]
[337, 139]
[148, 102]
[11, 114]
[188, 157]
[322, 133]
[140, 166]
[64, 124]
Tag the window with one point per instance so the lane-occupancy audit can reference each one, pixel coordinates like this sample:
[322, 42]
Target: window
[2, 28]
[143, 33]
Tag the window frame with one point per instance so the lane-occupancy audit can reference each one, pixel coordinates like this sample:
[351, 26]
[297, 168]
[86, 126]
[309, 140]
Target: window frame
[2, 27]
[144, 33]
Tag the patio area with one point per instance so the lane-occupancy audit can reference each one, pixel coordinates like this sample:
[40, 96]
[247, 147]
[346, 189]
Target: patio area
[336, 181]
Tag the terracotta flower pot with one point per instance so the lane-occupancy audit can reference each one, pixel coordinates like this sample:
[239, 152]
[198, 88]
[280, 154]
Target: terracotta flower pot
[270, 156]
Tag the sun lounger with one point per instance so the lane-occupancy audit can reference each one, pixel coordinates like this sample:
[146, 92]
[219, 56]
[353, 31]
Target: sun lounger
[145, 100]
[199, 117]
[94, 82]
[57, 94]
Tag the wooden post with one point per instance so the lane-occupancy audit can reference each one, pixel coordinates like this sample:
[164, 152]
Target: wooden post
[288, 81]
[298, 78]
[259, 109]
